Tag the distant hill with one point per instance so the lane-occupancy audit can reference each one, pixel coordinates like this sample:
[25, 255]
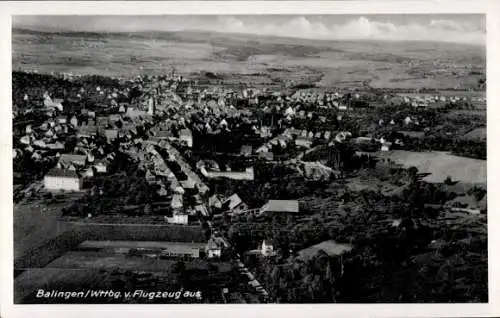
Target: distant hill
[401, 64]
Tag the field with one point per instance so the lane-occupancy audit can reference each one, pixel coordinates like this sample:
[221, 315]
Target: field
[109, 260]
[441, 165]
[35, 223]
[476, 134]
[42, 254]
[250, 59]
[99, 264]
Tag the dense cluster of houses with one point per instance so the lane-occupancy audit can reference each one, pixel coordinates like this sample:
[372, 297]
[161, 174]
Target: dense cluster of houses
[427, 100]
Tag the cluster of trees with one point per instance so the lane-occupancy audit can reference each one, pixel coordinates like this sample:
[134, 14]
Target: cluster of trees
[124, 187]
[226, 141]
[477, 192]
[459, 147]
[28, 169]
[115, 194]
[301, 281]
[35, 85]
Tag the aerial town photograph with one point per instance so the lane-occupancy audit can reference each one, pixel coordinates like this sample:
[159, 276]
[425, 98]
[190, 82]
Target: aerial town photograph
[249, 159]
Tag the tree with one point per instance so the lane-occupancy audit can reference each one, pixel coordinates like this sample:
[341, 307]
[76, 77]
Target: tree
[413, 173]
[448, 181]
[179, 267]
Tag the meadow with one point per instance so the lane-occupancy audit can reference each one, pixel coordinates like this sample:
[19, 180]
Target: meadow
[440, 165]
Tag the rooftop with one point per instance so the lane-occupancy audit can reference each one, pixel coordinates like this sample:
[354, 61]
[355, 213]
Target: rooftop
[71, 157]
[185, 133]
[63, 173]
[287, 206]
[233, 200]
[330, 247]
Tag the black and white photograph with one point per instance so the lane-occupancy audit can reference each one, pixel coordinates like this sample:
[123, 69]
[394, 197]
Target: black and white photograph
[249, 159]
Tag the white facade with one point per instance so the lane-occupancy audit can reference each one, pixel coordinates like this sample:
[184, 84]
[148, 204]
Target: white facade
[62, 183]
[179, 219]
[101, 167]
[214, 253]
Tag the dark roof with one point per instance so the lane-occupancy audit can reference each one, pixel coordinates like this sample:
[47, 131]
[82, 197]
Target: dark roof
[246, 149]
[67, 157]
[63, 173]
[163, 134]
[87, 130]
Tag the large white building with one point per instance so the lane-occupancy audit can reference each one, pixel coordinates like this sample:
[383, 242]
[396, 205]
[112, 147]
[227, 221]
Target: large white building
[59, 179]
[179, 219]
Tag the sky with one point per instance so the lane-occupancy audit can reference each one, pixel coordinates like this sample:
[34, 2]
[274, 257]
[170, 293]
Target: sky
[457, 28]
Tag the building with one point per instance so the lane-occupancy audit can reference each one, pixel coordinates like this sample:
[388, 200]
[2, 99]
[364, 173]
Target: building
[281, 206]
[214, 202]
[56, 103]
[87, 131]
[177, 202]
[111, 134]
[59, 179]
[303, 142]
[213, 248]
[56, 146]
[151, 106]
[248, 174]
[201, 209]
[179, 219]
[267, 249]
[267, 155]
[185, 135]
[246, 150]
[386, 146]
[234, 204]
[330, 247]
[71, 159]
[101, 166]
[182, 250]
[62, 120]
[25, 140]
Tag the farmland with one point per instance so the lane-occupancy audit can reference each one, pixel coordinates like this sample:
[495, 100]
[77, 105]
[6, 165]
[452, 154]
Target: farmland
[67, 265]
[36, 222]
[441, 165]
[249, 59]
[40, 256]
[109, 260]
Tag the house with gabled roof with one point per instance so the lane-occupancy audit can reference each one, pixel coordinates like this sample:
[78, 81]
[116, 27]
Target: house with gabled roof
[234, 204]
[62, 179]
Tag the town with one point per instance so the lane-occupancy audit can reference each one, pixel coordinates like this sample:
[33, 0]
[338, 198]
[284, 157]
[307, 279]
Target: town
[251, 194]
